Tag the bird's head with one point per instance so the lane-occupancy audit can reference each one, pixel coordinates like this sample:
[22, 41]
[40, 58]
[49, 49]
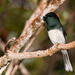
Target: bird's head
[50, 16]
[52, 20]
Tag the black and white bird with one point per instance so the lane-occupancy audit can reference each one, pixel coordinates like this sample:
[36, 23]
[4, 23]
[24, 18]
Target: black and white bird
[57, 34]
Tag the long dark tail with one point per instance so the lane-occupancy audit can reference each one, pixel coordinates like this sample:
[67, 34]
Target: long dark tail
[68, 66]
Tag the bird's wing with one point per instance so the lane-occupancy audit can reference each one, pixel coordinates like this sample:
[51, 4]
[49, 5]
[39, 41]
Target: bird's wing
[64, 33]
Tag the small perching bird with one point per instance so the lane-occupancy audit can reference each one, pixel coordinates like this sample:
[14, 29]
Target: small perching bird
[57, 34]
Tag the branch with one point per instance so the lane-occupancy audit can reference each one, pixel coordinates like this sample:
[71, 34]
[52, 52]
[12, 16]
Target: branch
[10, 67]
[33, 38]
[26, 49]
[24, 71]
[15, 68]
[2, 45]
[30, 27]
[39, 54]
[41, 7]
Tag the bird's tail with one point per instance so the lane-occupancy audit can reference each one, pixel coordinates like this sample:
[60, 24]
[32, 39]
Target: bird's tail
[68, 66]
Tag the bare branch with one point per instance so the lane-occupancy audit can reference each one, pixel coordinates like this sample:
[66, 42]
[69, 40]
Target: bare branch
[11, 40]
[2, 45]
[15, 68]
[32, 24]
[39, 54]
[41, 7]
[24, 71]
[9, 68]
[26, 49]
[32, 40]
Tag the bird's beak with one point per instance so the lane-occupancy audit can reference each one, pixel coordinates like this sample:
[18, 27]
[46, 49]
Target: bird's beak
[44, 17]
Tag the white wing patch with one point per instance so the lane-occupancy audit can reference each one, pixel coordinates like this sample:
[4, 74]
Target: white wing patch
[56, 36]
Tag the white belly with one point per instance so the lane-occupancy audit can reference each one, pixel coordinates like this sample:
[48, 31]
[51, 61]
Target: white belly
[56, 36]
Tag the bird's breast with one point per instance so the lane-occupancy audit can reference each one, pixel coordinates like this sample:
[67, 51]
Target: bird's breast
[56, 36]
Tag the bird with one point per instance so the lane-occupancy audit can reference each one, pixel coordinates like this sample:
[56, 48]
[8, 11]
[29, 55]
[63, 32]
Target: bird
[57, 34]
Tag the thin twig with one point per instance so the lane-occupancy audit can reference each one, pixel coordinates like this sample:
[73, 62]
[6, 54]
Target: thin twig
[2, 45]
[23, 70]
[15, 68]
[11, 40]
[32, 40]
[10, 68]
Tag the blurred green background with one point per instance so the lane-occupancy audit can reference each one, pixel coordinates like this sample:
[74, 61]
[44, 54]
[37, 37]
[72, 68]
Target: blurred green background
[13, 15]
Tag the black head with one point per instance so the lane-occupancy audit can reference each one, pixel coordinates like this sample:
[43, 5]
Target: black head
[52, 21]
[50, 15]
